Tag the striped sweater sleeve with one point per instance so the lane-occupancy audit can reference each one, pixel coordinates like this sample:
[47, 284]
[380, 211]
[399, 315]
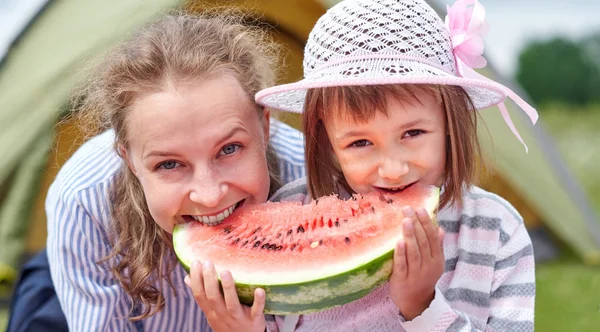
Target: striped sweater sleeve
[77, 209]
[288, 143]
[484, 291]
[88, 293]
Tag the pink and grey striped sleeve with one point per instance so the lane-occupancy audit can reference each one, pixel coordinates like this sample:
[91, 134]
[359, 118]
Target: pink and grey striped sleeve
[489, 282]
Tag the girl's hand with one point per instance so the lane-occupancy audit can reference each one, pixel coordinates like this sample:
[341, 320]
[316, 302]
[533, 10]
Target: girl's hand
[418, 263]
[224, 311]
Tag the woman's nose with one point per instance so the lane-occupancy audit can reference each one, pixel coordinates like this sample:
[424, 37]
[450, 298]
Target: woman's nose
[208, 190]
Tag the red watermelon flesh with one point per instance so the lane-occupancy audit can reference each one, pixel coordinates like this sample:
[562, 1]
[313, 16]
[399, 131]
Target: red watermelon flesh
[289, 243]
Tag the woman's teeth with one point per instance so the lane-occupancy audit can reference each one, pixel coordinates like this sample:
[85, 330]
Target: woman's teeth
[216, 219]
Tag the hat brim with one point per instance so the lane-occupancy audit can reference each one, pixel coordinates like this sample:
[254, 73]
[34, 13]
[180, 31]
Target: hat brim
[290, 97]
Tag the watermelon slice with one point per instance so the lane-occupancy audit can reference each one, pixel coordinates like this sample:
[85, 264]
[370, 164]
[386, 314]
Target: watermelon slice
[309, 257]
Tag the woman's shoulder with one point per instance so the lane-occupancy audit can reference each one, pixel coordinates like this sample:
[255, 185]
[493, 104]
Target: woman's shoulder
[295, 191]
[95, 163]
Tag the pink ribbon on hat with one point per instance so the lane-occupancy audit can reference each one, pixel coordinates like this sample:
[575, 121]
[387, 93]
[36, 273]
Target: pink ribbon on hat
[466, 23]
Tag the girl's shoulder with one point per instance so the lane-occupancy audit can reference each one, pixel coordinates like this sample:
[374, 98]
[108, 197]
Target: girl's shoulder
[483, 209]
[295, 191]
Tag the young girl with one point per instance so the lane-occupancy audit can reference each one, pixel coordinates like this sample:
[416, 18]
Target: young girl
[389, 101]
[191, 145]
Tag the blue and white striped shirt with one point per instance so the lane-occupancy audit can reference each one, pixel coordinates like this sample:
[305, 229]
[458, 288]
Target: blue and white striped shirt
[78, 212]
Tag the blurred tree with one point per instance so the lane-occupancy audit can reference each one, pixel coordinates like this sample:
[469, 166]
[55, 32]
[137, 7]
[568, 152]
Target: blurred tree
[560, 70]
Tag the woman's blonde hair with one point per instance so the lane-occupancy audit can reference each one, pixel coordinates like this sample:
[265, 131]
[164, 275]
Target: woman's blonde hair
[175, 47]
[362, 103]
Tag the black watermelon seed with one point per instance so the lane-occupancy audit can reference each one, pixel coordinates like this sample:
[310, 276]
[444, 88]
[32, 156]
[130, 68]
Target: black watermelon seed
[227, 230]
[256, 244]
[256, 230]
[264, 246]
[290, 232]
[236, 241]
[373, 209]
[279, 248]
[245, 243]
[337, 223]
[273, 247]
[347, 240]
[293, 246]
[254, 239]
[279, 235]
[300, 229]
[390, 201]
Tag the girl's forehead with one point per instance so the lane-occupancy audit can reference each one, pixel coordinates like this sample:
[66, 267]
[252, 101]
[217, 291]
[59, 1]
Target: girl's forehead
[361, 106]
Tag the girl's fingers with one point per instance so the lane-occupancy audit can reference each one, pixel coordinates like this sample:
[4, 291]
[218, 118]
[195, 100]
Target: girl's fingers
[400, 268]
[196, 282]
[430, 231]
[232, 301]
[212, 288]
[421, 237]
[413, 256]
[258, 307]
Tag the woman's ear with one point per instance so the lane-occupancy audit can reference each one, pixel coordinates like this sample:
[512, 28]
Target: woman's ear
[122, 151]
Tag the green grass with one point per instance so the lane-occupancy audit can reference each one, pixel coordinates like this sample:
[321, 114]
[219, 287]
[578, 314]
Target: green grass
[3, 319]
[568, 293]
[568, 296]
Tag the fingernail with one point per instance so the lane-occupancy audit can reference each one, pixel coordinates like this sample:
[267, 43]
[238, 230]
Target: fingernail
[195, 265]
[187, 279]
[408, 211]
[207, 264]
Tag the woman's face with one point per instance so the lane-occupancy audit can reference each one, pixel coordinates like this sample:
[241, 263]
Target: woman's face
[198, 150]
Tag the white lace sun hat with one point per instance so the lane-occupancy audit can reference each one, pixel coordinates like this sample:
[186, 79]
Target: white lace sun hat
[369, 42]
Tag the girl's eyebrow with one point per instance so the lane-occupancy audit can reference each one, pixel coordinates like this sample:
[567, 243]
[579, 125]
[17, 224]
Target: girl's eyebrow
[415, 122]
[349, 134]
[357, 133]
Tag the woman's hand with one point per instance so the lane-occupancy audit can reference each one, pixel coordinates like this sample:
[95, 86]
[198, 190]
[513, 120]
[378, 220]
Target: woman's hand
[223, 310]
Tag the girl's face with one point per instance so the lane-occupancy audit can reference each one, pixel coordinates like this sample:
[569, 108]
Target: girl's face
[389, 153]
[198, 151]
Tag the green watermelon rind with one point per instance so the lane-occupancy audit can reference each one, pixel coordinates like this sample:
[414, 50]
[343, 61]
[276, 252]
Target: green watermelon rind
[366, 278]
[327, 292]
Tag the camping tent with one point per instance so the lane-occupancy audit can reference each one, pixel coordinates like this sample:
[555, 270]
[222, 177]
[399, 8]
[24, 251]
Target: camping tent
[41, 68]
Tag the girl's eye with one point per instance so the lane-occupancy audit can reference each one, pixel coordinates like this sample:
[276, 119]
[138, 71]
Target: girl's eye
[171, 164]
[413, 133]
[230, 149]
[360, 143]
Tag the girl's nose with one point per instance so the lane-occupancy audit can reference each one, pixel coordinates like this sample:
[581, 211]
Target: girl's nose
[392, 168]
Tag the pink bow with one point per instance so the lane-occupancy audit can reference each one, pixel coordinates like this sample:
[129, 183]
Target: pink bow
[466, 23]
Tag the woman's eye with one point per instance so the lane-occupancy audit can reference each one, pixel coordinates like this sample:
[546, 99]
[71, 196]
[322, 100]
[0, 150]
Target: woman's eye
[230, 149]
[360, 143]
[413, 133]
[168, 165]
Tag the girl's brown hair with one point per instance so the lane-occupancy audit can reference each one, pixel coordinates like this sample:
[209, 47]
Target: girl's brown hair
[173, 48]
[362, 103]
